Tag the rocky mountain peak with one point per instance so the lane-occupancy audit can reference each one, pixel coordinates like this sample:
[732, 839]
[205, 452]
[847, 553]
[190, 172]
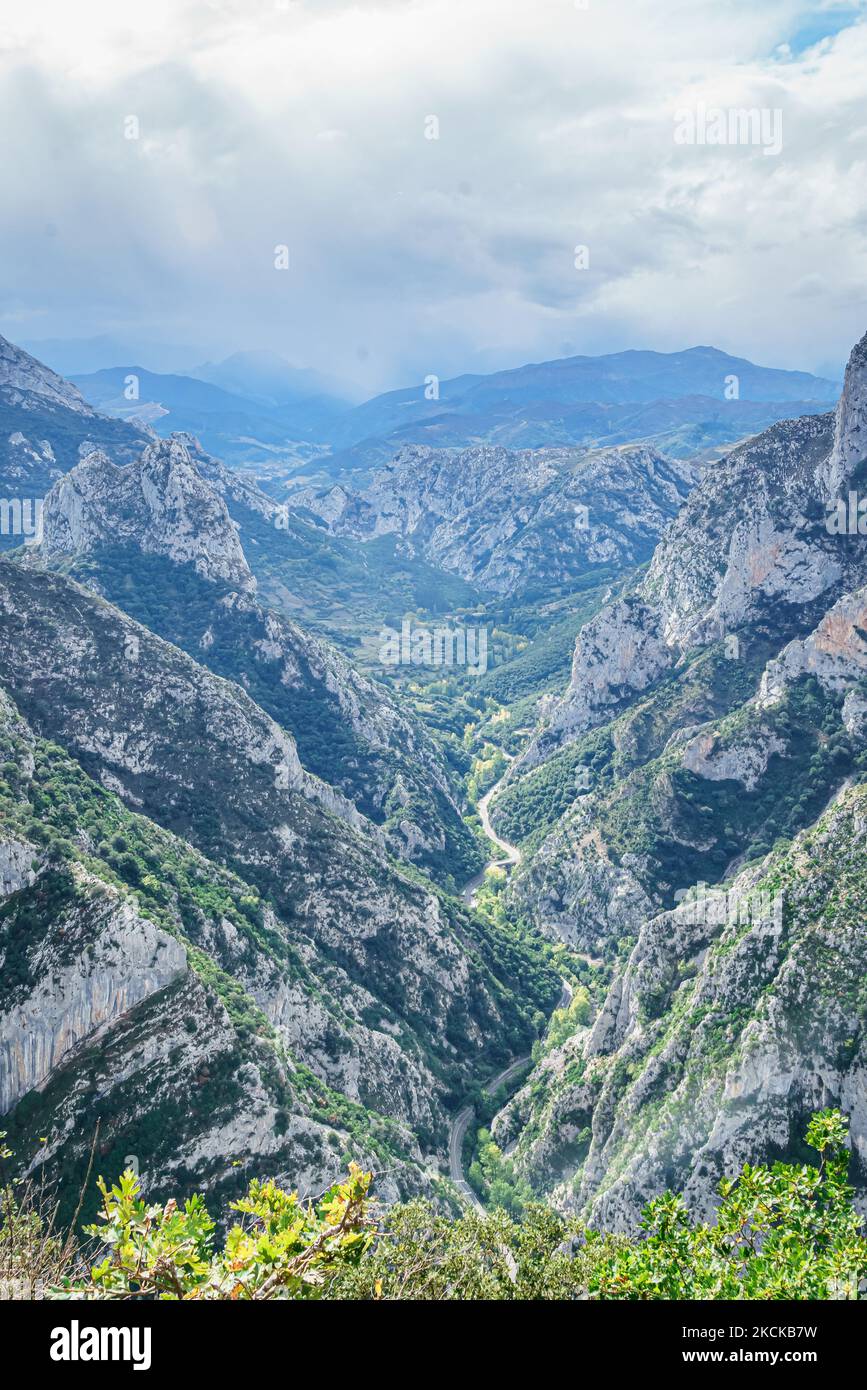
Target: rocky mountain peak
[160, 503]
[167, 465]
[25, 382]
[850, 426]
[749, 550]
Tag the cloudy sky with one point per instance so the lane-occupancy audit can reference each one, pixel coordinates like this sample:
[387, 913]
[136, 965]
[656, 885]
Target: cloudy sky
[306, 124]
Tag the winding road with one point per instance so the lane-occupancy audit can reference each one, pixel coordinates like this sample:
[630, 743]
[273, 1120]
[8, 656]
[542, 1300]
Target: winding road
[511, 857]
[511, 854]
[461, 1121]
[459, 1129]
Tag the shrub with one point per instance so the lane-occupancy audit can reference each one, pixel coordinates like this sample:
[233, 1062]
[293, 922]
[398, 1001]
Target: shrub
[788, 1231]
[282, 1250]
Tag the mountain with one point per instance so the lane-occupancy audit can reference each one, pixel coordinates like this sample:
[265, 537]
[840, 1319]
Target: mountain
[692, 816]
[510, 522]
[45, 424]
[77, 356]
[344, 587]
[156, 538]
[158, 505]
[680, 428]
[217, 948]
[46, 427]
[248, 409]
[240, 430]
[271, 381]
[726, 1023]
[228, 929]
[30, 385]
[205, 948]
[254, 409]
[681, 402]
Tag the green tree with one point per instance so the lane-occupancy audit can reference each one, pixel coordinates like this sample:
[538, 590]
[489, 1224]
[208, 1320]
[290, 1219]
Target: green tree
[787, 1231]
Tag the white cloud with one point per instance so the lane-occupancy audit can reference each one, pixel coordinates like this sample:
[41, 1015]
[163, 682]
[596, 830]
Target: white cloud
[304, 124]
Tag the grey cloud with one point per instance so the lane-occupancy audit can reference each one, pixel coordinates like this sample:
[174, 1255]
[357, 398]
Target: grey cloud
[306, 127]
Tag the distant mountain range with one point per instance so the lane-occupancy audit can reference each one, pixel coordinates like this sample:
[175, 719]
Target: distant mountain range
[74, 356]
[616, 379]
[272, 382]
[256, 410]
[243, 429]
[681, 402]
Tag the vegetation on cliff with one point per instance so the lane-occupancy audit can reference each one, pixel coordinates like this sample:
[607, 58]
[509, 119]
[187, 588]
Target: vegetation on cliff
[788, 1231]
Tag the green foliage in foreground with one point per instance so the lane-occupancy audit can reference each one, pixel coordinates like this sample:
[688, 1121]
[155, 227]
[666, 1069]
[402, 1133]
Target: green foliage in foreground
[783, 1232]
[282, 1247]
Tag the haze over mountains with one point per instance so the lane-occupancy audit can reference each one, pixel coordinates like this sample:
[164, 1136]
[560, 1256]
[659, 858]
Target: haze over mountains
[259, 410]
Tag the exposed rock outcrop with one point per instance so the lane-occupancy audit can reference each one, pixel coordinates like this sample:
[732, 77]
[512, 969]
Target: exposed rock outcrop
[160, 503]
[98, 961]
[25, 382]
[835, 652]
[507, 520]
[723, 1032]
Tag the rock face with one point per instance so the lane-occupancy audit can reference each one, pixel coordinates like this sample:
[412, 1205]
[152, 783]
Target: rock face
[850, 427]
[733, 1019]
[110, 1024]
[751, 549]
[45, 425]
[102, 523]
[746, 764]
[617, 656]
[306, 1001]
[755, 539]
[511, 521]
[835, 653]
[160, 504]
[717, 711]
[750, 553]
[88, 673]
[26, 383]
[17, 860]
[770, 1028]
[99, 961]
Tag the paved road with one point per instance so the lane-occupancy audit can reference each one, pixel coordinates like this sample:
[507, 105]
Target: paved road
[512, 857]
[459, 1129]
[456, 1172]
[511, 853]
[463, 1117]
[468, 892]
